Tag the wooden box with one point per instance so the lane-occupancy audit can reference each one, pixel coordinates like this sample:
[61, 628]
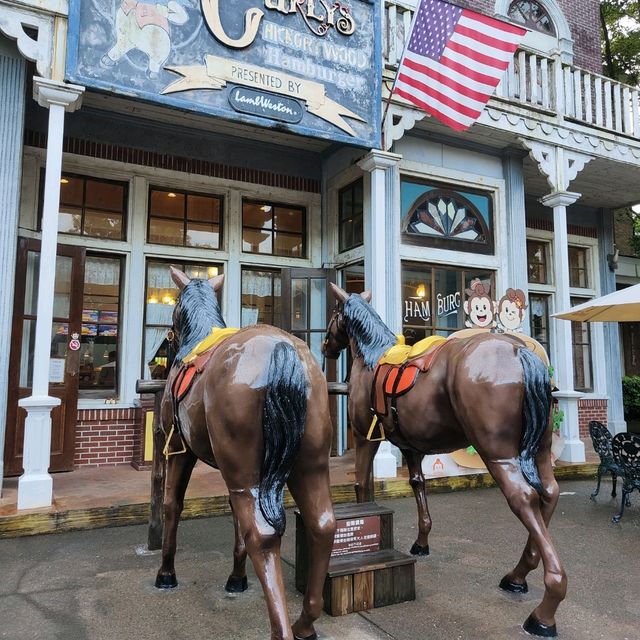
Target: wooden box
[365, 571]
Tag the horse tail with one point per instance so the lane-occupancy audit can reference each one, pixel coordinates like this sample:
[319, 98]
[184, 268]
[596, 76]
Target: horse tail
[283, 421]
[535, 414]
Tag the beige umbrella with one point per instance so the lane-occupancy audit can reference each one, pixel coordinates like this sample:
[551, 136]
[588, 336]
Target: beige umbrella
[619, 306]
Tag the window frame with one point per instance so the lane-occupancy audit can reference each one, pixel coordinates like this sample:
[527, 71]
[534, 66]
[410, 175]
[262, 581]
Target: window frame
[343, 219]
[186, 192]
[84, 177]
[273, 204]
[449, 244]
[530, 24]
[275, 271]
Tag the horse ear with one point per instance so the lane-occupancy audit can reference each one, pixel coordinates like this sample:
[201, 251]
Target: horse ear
[180, 278]
[216, 282]
[340, 294]
[366, 296]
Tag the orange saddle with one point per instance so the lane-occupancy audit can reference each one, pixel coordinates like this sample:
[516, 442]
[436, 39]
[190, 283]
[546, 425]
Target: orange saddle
[394, 379]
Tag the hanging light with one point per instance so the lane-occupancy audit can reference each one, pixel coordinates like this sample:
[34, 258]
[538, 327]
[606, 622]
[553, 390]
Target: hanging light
[421, 291]
[64, 180]
[171, 195]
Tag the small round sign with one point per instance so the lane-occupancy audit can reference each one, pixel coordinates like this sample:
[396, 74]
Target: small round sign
[74, 345]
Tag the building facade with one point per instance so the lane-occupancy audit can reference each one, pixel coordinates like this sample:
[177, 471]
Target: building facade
[120, 156]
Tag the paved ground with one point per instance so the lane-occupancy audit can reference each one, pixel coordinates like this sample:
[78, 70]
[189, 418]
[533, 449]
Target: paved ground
[95, 585]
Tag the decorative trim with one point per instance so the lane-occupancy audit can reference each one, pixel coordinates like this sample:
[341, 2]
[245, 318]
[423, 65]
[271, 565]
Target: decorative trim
[560, 166]
[182, 164]
[407, 118]
[51, 92]
[14, 21]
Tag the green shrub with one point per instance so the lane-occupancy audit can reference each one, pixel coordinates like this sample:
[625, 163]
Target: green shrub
[631, 397]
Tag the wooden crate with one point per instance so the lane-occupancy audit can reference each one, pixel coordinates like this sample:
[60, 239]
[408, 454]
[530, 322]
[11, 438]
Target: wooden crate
[358, 581]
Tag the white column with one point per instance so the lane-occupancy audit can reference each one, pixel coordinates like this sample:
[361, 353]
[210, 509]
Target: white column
[516, 222]
[563, 359]
[35, 486]
[381, 263]
[12, 103]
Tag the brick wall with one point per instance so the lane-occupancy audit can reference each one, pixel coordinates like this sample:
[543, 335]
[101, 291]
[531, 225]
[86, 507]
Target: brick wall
[106, 437]
[590, 410]
[583, 17]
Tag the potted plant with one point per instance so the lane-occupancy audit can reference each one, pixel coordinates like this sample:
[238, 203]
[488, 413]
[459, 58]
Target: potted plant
[631, 402]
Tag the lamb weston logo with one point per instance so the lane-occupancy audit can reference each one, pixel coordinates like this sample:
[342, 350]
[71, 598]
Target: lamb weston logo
[269, 105]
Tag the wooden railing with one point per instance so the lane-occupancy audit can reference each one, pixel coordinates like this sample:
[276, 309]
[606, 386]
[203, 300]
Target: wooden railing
[538, 82]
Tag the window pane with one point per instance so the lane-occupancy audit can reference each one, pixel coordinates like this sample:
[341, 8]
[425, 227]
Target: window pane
[578, 272]
[99, 361]
[254, 241]
[447, 308]
[350, 210]
[581, 338]
[70, 220]
[167, 204]
[203, 209]
[288, 245]
[539, 319]
[299, 303]
[104, 195]
[260, 297]
[288, 219]
[166, 232]
[203, 235]
[71, 190]
[256, 215]
[101, 224]
[537, 262]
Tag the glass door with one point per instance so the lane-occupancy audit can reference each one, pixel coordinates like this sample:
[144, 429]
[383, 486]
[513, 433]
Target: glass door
[66, 331]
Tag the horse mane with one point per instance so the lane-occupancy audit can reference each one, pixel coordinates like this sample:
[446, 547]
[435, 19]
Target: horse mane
[197, 311]
[364, 325]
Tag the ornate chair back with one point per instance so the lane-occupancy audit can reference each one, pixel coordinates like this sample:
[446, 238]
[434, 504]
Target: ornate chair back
[626, 453]
[601, 438]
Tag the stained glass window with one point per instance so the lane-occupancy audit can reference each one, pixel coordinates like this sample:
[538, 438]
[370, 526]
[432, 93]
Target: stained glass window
[532, 15]
[447, 218]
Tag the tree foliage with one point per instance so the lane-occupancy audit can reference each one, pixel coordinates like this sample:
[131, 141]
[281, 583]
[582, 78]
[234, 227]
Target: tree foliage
[620, 21]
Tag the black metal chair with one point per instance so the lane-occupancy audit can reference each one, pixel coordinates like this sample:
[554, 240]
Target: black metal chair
[626, 453]
[601, 438]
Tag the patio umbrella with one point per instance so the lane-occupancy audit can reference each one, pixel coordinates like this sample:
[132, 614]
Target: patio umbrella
[619, 306]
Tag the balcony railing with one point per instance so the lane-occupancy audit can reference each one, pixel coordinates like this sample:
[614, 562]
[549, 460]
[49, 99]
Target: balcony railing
[538, 82]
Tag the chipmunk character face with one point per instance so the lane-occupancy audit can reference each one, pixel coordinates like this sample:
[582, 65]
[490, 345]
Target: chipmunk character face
[511, 310]
[479, 306]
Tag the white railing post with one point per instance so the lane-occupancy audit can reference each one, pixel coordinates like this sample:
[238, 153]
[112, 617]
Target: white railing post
[617, 106]
[626, 111]
[533, 78]
[598, 91]
[635, 113]
[545, 83]
[608, 111]
[577, 94]
[558, 87]
[588, 105]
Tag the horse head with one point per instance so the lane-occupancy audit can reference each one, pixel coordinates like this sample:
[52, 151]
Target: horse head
[339, 332]
[196, 312]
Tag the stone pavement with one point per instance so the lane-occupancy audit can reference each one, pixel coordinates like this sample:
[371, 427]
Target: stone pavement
[98, 585]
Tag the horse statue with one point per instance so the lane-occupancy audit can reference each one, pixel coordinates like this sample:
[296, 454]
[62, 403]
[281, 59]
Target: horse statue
[484, 389]
[252, 403]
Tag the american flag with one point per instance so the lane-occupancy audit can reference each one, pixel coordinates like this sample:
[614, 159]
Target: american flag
[454, 61]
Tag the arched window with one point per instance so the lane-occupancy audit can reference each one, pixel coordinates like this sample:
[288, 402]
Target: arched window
[532, 15]
[446, 218]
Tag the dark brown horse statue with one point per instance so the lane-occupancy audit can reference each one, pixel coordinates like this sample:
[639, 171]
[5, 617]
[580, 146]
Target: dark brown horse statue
[486, 390]
[256, 408]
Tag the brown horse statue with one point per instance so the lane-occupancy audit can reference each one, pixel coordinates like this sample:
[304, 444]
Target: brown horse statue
[257, 409]
[486, 390]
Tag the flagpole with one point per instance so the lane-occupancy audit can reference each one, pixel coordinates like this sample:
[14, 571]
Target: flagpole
[406, 44]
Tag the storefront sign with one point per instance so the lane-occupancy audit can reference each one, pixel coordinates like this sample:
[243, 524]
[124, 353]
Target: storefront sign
[310, 66]
[357, 535]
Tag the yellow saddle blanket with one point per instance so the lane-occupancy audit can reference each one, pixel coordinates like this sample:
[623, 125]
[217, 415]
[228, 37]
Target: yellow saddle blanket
[217, 335]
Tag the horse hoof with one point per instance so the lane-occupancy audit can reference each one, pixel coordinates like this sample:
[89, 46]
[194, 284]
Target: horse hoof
[513, 587]
[419, 550]
[536, 628]
[166, 582]
[313, 636]
[236, 585]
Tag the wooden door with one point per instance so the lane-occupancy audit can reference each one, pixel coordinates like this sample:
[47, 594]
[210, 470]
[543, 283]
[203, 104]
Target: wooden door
[65, 361]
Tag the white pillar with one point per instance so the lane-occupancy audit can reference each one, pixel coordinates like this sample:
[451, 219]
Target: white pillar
[563, 352]
[516, 222]
[12, 103]
[381, 263]
[35, 486]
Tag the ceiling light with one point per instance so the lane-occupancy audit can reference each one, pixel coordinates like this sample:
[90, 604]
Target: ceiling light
[171, 195]
[64, 180]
